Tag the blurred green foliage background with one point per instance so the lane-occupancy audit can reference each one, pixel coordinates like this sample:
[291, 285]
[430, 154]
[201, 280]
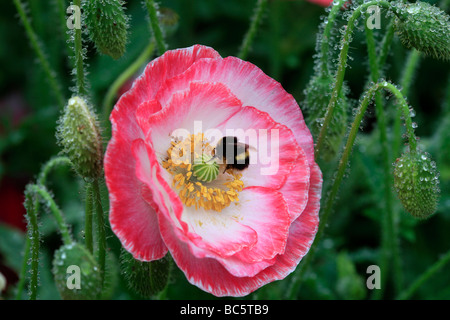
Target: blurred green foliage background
[284, 49]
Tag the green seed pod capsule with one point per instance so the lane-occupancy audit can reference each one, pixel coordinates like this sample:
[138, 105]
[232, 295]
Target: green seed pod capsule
[416, 181]
[76, 273]
[79, 135]
[145, 278]
[318, 95]
[107, 25]
[424, 27]
[205, 169]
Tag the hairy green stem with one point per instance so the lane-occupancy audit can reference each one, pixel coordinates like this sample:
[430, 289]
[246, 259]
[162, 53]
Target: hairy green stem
[124, 76]
[88, 214]
[51, 164]
[254, 24]
[343, 164]
[424, 277]
[37, 47]
[343, 56]
[23, 270]
[407, 117]
[101, 235]
[154, 21]
[34, 236]
[390, 251]
[326, 35]
[386, 44]
[54, 209]
[79, 65]
[275, 59]
[42, 180]
[409, 70]
[32, 192]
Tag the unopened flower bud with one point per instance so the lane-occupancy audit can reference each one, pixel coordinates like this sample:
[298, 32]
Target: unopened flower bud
[77, 276]
[79, 135]
[145, 278]
[416, 181]
[318, 95]
[107, 26]
[424, 27]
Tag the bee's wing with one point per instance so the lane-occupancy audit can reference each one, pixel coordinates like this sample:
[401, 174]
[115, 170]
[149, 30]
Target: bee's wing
[252, 148]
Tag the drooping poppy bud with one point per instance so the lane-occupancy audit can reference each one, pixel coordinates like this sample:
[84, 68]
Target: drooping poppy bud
[424, 27]
[79, 135]
[76, 273]
[145, 278]
[107, 26]
[416, 181]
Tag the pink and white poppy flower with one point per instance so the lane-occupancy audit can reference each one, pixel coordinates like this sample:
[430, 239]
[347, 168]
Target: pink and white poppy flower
[243, 229]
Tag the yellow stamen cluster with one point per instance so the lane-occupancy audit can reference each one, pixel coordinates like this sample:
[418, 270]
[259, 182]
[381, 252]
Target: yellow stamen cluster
[215, 195]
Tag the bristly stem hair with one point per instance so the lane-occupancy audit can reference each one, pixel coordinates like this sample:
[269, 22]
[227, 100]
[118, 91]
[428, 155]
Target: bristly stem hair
[254, 24]
[343, 164]
[156, 28]
[345, 41]
[37, 47]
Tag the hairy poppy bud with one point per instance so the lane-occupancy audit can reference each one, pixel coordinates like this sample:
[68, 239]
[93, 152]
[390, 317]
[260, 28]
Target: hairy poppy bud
[318, 95]
[107, 26]
[76, 273]
[145, 278]
[79, 135]
[424, 27]
[416, 181]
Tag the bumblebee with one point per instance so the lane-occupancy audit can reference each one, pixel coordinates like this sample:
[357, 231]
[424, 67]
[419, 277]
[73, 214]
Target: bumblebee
[234, 154]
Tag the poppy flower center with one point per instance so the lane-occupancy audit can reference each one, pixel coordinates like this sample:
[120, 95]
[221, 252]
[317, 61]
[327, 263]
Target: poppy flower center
[212, 194]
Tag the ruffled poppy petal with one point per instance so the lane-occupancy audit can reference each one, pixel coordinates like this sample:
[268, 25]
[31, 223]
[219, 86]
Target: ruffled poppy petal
[130, 215]
[301, 233]
[296, 189]
[201, 107]
[133, 220]
[209, 274]
[144, 88]
[274, 151]
[266, 212]
[250, 85]
[206, 273]
[221, 234]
